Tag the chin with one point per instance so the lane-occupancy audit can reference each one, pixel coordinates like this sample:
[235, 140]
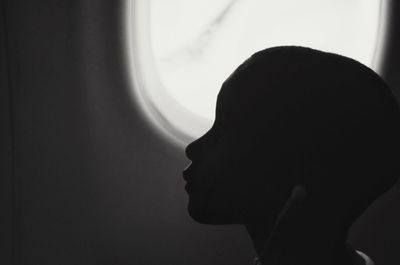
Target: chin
[205, 212]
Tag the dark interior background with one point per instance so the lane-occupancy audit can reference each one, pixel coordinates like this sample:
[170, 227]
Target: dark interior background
[84, 179]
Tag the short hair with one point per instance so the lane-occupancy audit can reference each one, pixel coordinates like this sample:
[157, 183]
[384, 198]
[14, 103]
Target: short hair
[331, 116]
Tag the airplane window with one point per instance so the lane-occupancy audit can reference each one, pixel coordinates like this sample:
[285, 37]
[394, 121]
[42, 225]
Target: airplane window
[185, 49]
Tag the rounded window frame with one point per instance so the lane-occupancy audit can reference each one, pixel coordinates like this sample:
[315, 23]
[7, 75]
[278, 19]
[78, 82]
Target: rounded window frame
[167, 115]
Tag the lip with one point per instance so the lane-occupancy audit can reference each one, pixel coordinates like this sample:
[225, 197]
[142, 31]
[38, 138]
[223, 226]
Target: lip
[188, 165]
[187, 188]
[186, 173]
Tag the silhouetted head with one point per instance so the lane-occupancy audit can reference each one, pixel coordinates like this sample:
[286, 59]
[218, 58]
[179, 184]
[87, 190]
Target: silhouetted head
[288, 116]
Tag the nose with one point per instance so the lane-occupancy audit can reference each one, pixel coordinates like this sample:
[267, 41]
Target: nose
[193, 148]
[197, 146]
[189, 150]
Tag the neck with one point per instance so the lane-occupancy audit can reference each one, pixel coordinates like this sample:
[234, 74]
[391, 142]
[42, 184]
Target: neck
[304, 238]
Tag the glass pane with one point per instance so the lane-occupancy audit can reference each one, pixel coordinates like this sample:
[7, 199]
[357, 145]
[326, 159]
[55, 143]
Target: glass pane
[197, 44]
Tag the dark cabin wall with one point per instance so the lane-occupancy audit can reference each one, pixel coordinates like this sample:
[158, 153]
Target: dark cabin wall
[6, 150]
[84, 178]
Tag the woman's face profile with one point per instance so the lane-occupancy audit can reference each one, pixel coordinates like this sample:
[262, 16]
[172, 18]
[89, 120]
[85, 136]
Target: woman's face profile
[230, 179]
[292, 139]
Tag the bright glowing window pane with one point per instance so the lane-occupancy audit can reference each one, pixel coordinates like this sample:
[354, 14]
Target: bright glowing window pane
[197, 44]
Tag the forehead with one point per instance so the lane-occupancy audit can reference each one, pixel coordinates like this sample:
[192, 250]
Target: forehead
[244, 93]
[235, 107]
[227, 103]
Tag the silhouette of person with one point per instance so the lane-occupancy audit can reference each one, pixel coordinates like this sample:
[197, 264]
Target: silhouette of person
[302, 143]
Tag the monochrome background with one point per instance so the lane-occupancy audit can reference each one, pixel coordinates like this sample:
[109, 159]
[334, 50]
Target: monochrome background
[85, 178]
